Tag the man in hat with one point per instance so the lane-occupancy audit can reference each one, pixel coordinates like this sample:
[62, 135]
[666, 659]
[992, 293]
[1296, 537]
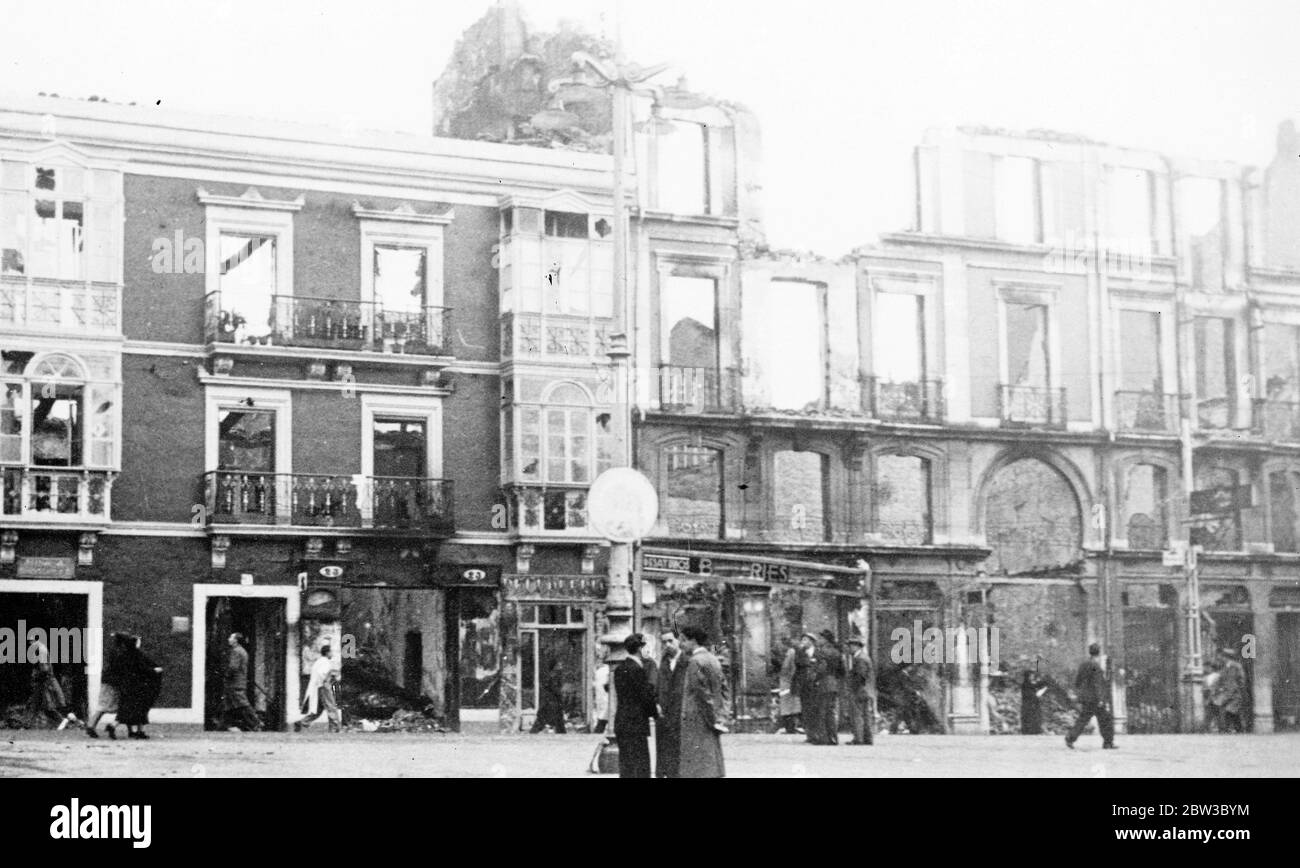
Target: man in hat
[637, 703]
[862, 691]
[830, 671]
[1094, 693]
[805, 684]
[672, 683]
[1230, 691]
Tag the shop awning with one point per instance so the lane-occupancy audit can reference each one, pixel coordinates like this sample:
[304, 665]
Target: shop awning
[768, 572]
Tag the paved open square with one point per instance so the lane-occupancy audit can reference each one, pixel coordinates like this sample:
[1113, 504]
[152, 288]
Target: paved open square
[174, 752]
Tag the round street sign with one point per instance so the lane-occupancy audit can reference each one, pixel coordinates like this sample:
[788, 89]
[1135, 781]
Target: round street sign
[622, 505]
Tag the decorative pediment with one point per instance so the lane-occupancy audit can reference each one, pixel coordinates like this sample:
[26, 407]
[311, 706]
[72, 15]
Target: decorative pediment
[559, 200]
[404, 213]
[59, 153]
[251, 198]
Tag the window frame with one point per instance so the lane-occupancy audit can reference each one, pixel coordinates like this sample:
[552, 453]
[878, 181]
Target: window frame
[29, 387]
[249, 214]
[218, 398]
[1029, 294]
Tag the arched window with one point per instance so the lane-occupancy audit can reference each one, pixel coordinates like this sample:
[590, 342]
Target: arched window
[52, 414]
[901, 499]
[1032, 519]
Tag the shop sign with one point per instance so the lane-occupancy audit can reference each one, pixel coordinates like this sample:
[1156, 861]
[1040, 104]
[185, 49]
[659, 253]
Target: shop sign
[46, 568]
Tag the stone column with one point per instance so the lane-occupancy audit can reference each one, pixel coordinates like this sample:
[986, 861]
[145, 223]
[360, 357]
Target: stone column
[1265, 662]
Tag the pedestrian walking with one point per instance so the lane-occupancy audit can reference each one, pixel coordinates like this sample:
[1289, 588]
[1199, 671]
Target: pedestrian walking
[703, 710]
[862, 692]
[637, 705]
[1093, 688]
[788, 703]
[830, 672]
[321, 698]
[109, 677]
[1230, 692]
[236, 711]
[47, 699]
[550, 705]
[1031, 704]
[668, 726]
[139, 682]
[807, 664]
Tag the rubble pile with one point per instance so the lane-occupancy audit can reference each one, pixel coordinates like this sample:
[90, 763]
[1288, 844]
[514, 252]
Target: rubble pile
[372, 702]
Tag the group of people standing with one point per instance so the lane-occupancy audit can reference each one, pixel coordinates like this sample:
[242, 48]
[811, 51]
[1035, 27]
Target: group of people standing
[812, 677]
[683, 694]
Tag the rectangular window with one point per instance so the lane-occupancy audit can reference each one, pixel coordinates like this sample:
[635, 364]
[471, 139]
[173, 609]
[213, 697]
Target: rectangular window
[43, 224]
[57, 432]
[683, 167]
[1017, 202]
[247, 282]
[1139, 351]
[12, 416]
[1283, 501]
[1282, 362]
[566, 224]
[246, 440]
[796, 366]
[401, 447]
[900, 337]
[1216, 374]
[1202, 219]
[692, 492]
[1131, 212]
[902, 499]
[400, 278]
[1028, 358]
[1145, 503]
[801, 484]
[688, 322]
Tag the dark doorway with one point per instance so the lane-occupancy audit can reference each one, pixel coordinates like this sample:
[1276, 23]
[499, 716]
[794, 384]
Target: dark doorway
[1151, 667]
[1286, 689]
[413, 663]
[46, 612]
[262, 621]
[473, 651]
[1226, 630]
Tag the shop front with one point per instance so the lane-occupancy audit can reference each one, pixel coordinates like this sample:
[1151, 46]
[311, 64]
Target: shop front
[754, 609]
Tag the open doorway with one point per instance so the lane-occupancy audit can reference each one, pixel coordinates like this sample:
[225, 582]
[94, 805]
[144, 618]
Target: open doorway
[262, 620]
[65, 613]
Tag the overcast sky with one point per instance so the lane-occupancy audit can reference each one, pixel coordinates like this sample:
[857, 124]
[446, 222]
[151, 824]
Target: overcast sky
[843, 89]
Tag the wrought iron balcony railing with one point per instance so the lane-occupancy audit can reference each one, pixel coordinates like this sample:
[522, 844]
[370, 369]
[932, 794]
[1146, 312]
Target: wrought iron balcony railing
[379, 502]
[914, 401]
[1277, 420]
[60, 306]
[1032, 406]
[685, 389]
[1153, 412]
[332, 323]
[56, 495]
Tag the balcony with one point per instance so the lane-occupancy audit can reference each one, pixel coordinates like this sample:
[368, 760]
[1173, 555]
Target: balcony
[684, 389]
[916, 401]
[1032, 406]
[68, 496]
[83, 309]
[538, 508]
[1277, 420]
[1147, 412]
[308, 500]
[534, 336]
[331, 323]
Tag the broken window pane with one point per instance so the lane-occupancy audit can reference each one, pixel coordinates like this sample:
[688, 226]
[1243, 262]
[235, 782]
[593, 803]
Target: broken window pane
[56, 241]
[1145, 504]
[1215, 372]
[246, 440]
[800, 483]
[900, 337]
[683, 168]
[399, 446]
[692, 492]
[248, 283]
[12, 413]
[1282, 488]
[1027, 350]
[1218, 532]
[796, 367]
[1139, 351]
[57, 416]
[902, 499]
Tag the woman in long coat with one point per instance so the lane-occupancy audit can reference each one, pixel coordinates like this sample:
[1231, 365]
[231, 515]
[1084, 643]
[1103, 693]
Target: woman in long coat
[788, 704]
[138, 685]
[703, 711]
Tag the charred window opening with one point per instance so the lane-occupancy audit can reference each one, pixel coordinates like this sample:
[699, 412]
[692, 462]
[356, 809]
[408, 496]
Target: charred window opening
[1145, 513]
[801, 509]
[1216, 372]
[796, 366]
[1028, 358]
[1284, 498]
[900, 337]
[1032, 520]
[683, 168]
[1219, 531]
[901, 498]
[692, 491]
